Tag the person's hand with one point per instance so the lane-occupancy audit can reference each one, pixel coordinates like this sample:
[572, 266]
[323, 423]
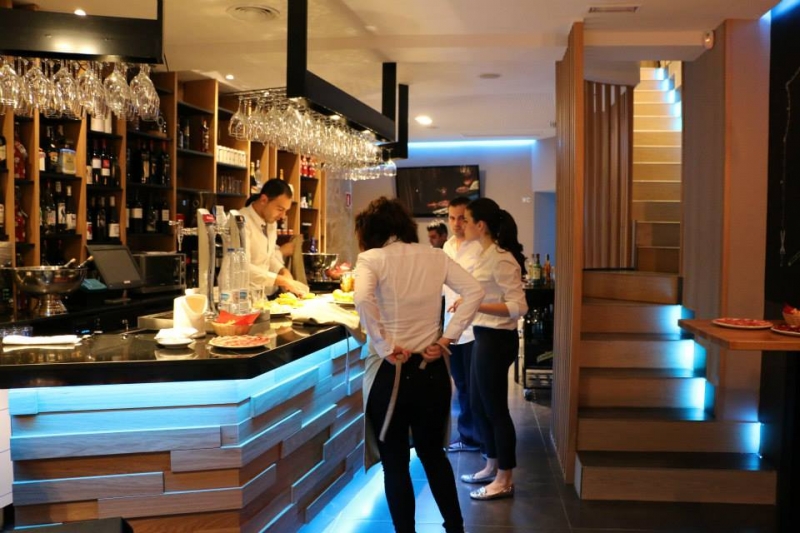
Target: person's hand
[398, 355]
[452, 308]
[293, 286]
[432, 353]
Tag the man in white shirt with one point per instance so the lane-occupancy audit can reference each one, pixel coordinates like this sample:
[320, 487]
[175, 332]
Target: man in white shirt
[261, 232]
[465, 253]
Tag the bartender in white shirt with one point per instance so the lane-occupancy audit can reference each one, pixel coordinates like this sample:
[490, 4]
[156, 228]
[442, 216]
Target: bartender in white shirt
[261, 233]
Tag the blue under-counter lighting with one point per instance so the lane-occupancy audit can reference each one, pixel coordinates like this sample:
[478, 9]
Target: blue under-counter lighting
[783, 8]
[754, 437]
[434, 145]
[686, 353]
[698, 392]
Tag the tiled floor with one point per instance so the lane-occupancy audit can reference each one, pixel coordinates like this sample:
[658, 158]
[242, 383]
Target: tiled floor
[542, 503]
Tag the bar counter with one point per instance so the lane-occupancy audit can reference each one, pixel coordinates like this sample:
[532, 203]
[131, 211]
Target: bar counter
[184, 440]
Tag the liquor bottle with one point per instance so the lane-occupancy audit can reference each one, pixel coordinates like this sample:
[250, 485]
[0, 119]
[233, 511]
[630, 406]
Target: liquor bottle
[20, 217]
[128, 165]
[165, 217]
[166, 165]
[529, 268]
[2, 215]
[51, 150]
[312, 167]
[20, 156]
[61, 209]
[303, 166]
[137, 215]
[258, 173]
[71, 215]
[548, 270]
[187, 142]
[49, 211]
[66, 158]
[113, 165]
[151, 216]
[145, 160]
[97, 165]
[3, 153]
[180, 135]
[253, 185]
[155, 177]
[90, 221]
[105, 162]
[112, 219]
[206, 137]
[537, 271]
[101, 222]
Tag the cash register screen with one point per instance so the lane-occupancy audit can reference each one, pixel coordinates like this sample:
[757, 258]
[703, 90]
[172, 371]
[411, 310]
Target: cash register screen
[116, 266]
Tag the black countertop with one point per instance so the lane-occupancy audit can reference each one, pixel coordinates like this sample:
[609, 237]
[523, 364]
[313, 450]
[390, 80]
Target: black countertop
[135, 357]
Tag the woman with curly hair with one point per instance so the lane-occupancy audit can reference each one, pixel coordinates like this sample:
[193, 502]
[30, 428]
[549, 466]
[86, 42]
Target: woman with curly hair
[406, 383]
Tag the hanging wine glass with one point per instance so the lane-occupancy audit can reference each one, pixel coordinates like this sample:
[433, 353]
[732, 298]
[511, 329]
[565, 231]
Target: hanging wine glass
[10, 85]
[68, 87]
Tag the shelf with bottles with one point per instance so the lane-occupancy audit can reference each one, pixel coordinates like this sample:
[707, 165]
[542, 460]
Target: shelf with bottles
[149, 163]
[103, 219]
[185, 108]
[100, 189]
[57, 154]
[103, 135]
[227, 166]
[148, 135]
[194, 153]
[102, 161]
[57, 176]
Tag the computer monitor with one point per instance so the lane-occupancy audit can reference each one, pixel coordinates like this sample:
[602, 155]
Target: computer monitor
[116, 266]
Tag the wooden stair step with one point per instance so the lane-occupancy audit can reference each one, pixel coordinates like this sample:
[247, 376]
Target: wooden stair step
[636, 350]
[652, 211]
[641, 387]
[657, 153]
[665, 430]
[656, 110]
[647, 171]
[632, 285]
[658, 233]
[619, 316]
[669, 123]
[658, 258]
[657, 138]
[652, 73]
[675, 477]
[655, 85]
[656, 191]
[653, 96]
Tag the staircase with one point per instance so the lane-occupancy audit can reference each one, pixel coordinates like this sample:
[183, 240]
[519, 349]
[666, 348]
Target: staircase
[656, 191]
[644, 432]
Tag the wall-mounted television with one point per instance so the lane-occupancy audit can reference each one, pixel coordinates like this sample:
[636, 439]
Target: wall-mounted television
[427, 191]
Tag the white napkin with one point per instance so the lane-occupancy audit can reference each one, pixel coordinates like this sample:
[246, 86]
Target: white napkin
[189, 312]
[39, 341]
[322, 312]
[176, 333]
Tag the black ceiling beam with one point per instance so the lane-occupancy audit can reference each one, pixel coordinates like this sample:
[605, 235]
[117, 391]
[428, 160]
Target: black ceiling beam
[319, 94]
[399, 149]
[67, 36]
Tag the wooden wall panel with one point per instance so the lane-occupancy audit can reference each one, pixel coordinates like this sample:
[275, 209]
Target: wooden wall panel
[236, 473]
[570, 171]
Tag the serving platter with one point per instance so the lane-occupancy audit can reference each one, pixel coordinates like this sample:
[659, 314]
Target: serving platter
[786, 329]
[742, 323]
[239, 342]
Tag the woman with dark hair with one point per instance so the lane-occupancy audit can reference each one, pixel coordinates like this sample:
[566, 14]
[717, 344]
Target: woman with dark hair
[406, 383]
[499, 271]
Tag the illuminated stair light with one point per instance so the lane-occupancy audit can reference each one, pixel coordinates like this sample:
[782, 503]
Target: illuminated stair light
[686, 354]
[698, 393]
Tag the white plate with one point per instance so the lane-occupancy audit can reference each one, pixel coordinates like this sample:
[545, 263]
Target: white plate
[174, 343]
[750, 323]
[230, 342]
[794, 332]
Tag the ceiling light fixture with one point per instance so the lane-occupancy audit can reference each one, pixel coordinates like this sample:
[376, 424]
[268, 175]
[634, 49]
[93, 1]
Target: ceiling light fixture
[620, 8]
[253, 13]
[423, 120]
[489, 76]
[80, 12]
[228, 76]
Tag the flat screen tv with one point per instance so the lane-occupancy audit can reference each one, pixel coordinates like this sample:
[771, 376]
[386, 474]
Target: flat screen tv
[427, 191]
[116, 266]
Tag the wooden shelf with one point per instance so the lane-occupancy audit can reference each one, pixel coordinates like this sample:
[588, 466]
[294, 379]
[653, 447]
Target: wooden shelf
[102, 188]
[231, 167]
[59, 176]
[147, 135]
[230, 195]
[741, 339]
[104, 135]
[149, 235]
[190, 109]
[225, 114]
[192, 190]
[134, 185]
[61, 236]
[25, 182]
[194, 153]
[24, 246]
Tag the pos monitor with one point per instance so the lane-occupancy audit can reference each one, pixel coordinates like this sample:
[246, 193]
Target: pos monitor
[116, 266]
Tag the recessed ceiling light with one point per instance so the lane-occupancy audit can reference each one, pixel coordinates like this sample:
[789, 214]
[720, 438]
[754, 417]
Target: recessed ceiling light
[629, 8]
[489, 76]
[423, 120]
[253, 13]
[228, 76]
[335, 117]
[80, 12]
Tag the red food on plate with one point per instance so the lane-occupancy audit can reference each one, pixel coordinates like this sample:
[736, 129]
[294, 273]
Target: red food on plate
[742, 323]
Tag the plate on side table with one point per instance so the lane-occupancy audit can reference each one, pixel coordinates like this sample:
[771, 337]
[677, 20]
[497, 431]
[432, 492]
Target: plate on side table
[742, 323]
[787, 329]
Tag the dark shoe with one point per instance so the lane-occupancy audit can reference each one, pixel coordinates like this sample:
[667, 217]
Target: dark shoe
[472, 478]
[461, 446]
[481, 494]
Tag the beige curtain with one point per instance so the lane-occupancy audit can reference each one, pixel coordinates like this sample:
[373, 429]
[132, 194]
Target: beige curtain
[609, 165]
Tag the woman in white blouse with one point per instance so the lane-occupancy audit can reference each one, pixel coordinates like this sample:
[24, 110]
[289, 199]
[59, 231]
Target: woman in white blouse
[398, 289]
[499, 271]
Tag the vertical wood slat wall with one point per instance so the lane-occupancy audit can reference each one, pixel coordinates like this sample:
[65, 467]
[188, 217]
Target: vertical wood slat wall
[569, 248]
[609, 164]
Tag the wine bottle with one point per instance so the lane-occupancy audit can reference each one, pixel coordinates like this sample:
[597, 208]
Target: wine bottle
[90, 221]
[52, 150]
[112, 219]
[166, 165]
[97, 165]
[165, 217]
[151, 216]
[155, 177]
[71, 215]
[49, 211]
[105, 162]
[206, 136]
[61, 209]
[101, 223]
[145, 160]
[137, 215]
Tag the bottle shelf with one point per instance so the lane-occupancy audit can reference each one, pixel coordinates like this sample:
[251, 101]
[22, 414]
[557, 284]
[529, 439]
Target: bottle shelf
[185, 108]
[102, 188]
[104, 241]
[148, 235]
[194, 153]
[59, 176]
[148, 135]
[230, 195]
[61, 235]
[225, 114]
[24, 183]
[152, 186]
[24, 246]
[231, 167]
[61, 120]
[104, 135]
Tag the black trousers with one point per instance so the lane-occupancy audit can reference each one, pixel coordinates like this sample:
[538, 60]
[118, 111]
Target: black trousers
[460, 362]
[492, 355]
[423, 403]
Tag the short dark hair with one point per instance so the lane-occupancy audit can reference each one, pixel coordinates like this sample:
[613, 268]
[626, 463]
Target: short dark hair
[459, 200]
[275, 187]
[438, 226]
[384, 218]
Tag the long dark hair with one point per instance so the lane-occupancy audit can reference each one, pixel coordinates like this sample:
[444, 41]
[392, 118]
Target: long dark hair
[501, 226]
[382, 219]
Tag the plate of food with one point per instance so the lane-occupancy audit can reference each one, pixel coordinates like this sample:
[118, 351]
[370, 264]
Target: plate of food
[239, 342]
[742, 323]
[786, 329]
[227, 353]
[174, 342]
[343, 298]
